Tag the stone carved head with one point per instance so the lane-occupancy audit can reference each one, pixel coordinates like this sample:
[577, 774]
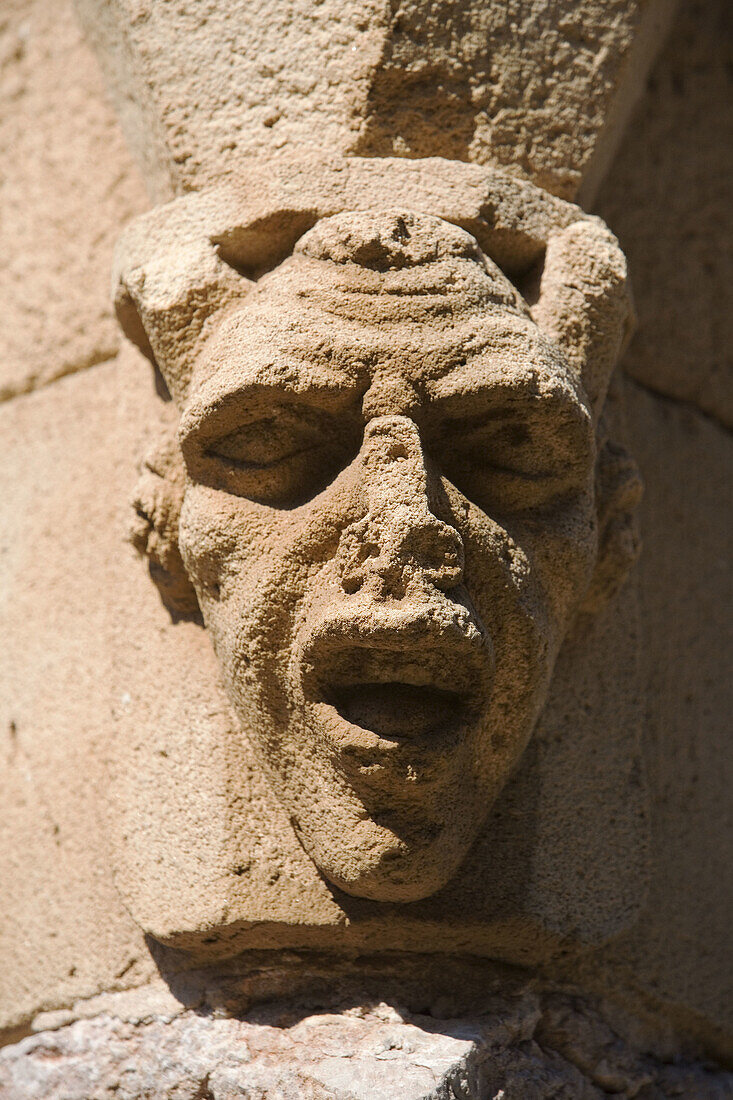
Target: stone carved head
[389, 497]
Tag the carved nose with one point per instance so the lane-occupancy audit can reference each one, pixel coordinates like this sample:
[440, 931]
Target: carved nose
[399, 542]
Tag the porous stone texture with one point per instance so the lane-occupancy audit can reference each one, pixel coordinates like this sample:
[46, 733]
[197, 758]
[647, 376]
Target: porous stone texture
[530, 1047]
[386, 646]
[543, 87]
[189, 810]
[84, 626]
[679, 146]
[63, 157]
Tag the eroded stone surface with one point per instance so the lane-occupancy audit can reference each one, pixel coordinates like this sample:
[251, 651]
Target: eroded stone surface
[387, 701]
[527, 1047]
[398, 495]
[68, 577]
[565, 848]
[544, 87]
[62, 156]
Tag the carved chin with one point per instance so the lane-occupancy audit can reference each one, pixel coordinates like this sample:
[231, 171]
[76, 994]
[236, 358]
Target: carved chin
[375, 862]
[400, 726]
[411, 788]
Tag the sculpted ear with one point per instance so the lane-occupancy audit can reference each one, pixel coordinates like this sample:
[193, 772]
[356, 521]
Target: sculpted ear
[584, 303]
[154, 527]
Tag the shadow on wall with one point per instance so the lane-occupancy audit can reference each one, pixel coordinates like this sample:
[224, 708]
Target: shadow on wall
[420, 114]
[669, 197]
[421, 102]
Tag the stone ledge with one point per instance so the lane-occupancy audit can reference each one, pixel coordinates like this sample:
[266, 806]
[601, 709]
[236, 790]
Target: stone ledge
[530, 1047]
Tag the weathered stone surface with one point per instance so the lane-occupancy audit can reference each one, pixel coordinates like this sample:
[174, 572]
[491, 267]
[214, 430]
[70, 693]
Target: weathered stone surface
[529, 1048]
[78, 700]
[677, 157]
[686, 586]
[70, 709]
[62, 925]
[65, 441]
[321, 570]
[71, 452]
[62, 157]
[544, 87]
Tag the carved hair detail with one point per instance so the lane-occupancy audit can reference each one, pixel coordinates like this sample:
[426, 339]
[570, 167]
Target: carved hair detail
[181, 265]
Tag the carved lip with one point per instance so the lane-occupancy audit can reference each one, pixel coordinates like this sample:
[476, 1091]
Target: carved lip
[401, 684]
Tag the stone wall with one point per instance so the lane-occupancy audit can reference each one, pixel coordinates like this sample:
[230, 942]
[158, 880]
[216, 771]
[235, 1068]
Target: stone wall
[79, 406]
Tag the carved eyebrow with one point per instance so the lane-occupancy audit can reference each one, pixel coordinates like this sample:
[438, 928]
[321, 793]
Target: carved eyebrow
[510, 367]
[209, 415]
[468, 406]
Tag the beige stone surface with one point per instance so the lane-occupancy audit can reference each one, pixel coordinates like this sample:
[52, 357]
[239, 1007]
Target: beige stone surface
[63, 929]
[69, 580]
[78, 694]
[67, 184]
[544, 88]
[71, 707]
[324, 527]
[676, 164]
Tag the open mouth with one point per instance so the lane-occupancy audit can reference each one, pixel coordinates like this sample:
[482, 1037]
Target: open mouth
[395, 710]
[409, 695]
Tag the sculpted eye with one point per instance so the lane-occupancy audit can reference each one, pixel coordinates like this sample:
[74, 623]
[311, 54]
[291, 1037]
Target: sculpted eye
[518, 463]
[281, 459]
[259, 445]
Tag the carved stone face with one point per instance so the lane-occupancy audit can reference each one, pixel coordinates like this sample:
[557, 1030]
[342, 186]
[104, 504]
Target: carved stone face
[389, 522]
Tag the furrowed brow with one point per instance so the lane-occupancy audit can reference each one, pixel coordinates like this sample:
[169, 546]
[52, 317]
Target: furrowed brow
[222, 404]
[467, 400]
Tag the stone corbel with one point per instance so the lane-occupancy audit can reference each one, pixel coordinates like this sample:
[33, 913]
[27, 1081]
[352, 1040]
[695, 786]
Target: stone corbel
[183, 274]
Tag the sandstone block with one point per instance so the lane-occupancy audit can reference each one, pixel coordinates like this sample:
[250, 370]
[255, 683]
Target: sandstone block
[544, 89]
[63, 155]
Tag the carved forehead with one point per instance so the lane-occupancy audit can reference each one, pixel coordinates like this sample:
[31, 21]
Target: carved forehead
[330, 360]
[388, 266]
[267, 344]
[366, 292]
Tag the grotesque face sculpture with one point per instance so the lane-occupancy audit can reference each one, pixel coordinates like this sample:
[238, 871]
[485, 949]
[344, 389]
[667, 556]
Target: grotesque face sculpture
[389, 519]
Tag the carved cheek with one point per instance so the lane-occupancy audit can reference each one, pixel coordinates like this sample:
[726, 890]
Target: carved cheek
[562, 550]
[214, 536]
[241, 556]
[526, 577]
[499, 576]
